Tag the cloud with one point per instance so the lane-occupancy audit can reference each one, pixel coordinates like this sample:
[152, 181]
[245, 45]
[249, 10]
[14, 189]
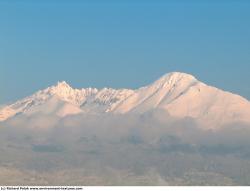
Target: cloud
[126, 144]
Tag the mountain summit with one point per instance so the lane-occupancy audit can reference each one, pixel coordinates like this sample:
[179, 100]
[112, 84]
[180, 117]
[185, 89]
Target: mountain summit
[180, 94]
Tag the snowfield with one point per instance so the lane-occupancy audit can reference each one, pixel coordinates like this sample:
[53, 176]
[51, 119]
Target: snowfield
[179, 94]
[175, 131]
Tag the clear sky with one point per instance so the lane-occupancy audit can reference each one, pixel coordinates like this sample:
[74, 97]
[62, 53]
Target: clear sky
[126, 43]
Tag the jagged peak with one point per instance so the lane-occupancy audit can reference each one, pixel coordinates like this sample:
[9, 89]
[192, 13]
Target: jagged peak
[62, 84]
[160, 93]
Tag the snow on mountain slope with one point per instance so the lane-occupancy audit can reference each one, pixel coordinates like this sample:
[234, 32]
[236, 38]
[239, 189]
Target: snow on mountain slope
[62, 91]
[180, 94]
[165, 89]
[105, 99]
[54, 105]
[64, 100]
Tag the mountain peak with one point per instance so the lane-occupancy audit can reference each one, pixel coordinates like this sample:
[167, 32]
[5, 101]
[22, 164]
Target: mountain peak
[177, 76]
[62, 84]
[61, 89]
[180, 94]
[174, 79]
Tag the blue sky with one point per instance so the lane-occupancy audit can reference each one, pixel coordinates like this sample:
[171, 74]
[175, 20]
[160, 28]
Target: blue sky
[122, 43]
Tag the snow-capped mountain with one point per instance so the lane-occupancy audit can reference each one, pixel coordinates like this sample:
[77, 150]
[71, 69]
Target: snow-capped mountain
[64, 100]
[180, 94]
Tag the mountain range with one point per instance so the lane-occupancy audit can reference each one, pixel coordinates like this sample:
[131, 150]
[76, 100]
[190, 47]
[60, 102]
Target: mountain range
[180, 95]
